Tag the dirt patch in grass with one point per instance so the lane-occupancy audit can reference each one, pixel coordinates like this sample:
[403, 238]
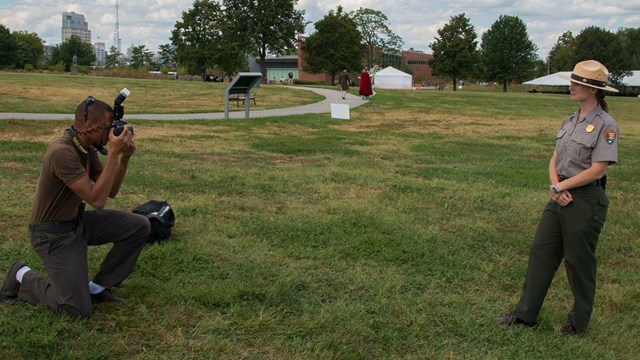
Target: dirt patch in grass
[410, 121]
[290, 160]
[355, 192]
[156, 132]
[21, 136]
[12, 165]
[49, 93]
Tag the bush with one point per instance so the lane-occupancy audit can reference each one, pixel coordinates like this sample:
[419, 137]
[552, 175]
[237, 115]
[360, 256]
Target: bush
[59, 67]
[29, 67]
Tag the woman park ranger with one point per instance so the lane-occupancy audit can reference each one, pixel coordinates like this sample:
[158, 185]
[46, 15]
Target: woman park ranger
[570, 224]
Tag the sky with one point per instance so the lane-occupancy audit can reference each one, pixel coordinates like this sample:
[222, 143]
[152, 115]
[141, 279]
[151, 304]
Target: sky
[149, 22]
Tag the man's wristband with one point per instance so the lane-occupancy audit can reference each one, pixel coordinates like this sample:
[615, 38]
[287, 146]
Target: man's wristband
[554, 188]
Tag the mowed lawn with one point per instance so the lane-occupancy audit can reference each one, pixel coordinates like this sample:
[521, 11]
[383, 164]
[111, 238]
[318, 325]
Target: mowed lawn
[61, 93]
[395, 235]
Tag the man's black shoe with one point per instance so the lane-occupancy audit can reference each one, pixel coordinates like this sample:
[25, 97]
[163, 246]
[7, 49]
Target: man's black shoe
[11, 286]
[510, 319]
[105, 296]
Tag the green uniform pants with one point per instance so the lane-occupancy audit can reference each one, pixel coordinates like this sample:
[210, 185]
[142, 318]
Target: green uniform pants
[569, 232]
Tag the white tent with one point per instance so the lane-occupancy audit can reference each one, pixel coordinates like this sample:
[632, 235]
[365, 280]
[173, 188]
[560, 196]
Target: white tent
[555, 80]
[392, 78]
[550, 80]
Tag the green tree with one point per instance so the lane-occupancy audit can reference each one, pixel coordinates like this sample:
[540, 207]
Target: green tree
[140, 57]
[630, 38]
[261, 27]
[167, 55]
[203, 39]
[112, 58]
[335, 45]
[594, 43]
[64, 53]
[507, 52]
[376, 34]
[561, 57]
[30, 49]
[455, 52]
[8, 48]
[540, 68]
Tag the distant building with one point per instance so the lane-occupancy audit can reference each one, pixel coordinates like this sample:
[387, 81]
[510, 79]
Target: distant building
[156, 58]
[416, 60]
[48, 51]
[74, 25]
[277, 66]
[129, 53]
[306, 76]
[100, 50]
[419, 62]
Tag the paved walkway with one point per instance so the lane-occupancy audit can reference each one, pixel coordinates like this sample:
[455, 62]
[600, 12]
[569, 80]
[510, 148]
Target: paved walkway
[324, 106]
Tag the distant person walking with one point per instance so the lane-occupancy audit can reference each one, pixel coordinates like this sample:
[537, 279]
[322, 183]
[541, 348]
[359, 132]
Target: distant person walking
[570, 225]
[365, 85]
[344, 82]
[290, 77]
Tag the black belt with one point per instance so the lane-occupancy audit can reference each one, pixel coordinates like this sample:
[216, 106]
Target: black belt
[562, 178]
[54, 226]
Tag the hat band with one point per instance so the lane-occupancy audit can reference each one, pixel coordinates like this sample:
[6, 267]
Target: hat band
[588, 81]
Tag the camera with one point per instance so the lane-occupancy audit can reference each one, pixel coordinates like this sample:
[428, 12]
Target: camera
[118, 113]
[118, 127]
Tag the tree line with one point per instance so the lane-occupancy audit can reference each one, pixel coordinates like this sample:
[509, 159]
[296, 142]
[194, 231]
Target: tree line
[24, 50]
[221, 35]
[506, 53]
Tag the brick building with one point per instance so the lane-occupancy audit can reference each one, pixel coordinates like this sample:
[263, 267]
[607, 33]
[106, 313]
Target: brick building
[419, 62]
[303, 75]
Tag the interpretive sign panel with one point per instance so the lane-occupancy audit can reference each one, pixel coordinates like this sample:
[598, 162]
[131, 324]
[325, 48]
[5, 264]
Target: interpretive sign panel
[241, 85]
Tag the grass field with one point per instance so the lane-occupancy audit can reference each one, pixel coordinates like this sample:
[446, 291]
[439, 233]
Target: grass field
[395, 235]
[40, 93]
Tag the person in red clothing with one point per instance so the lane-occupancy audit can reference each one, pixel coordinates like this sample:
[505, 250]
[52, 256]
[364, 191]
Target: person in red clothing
[365, 85]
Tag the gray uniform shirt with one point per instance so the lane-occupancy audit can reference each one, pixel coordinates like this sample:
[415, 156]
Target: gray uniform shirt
[580, 143]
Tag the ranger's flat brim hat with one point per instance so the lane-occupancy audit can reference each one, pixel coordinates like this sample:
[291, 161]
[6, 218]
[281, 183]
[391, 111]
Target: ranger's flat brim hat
[592, 74]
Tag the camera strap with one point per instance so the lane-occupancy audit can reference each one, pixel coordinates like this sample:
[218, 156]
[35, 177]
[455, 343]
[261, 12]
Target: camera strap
[74, 139]
[71, 134]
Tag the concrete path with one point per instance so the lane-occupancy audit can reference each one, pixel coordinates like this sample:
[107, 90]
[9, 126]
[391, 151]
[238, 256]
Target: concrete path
[324, 106]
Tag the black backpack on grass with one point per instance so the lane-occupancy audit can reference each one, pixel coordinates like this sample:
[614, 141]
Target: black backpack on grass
[161, 217]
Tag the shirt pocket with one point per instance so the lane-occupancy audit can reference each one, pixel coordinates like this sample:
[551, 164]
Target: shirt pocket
[582, 146]
[585, 139]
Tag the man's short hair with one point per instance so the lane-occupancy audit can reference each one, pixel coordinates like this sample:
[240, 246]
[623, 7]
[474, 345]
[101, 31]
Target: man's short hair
[92, 112]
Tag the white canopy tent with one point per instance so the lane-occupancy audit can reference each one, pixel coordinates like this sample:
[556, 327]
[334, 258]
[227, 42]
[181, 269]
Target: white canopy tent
[555, 80]
[392, 78]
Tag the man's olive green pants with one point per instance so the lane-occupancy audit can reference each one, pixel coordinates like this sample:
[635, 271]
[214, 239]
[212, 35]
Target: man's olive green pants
[63, 251]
